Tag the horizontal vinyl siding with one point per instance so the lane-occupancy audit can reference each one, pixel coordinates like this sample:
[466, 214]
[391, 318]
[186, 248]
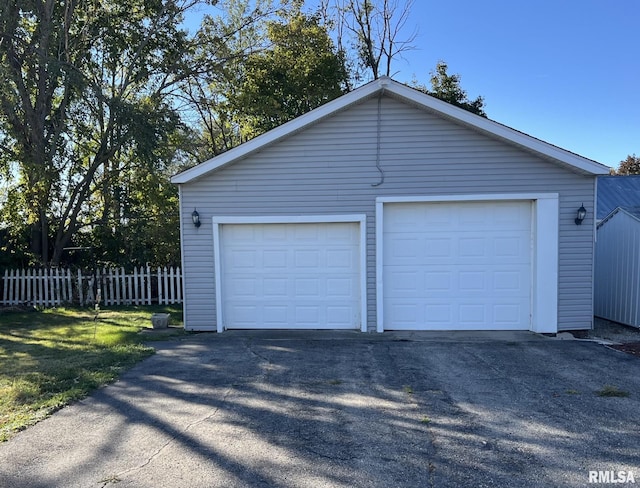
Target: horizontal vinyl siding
[330, 169]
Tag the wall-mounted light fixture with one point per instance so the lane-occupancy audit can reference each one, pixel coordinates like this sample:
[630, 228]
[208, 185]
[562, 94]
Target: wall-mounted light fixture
[582, 213]
[195, 217]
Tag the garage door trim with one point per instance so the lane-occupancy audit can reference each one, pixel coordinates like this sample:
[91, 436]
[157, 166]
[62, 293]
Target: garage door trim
[359, 219]
[544, 305]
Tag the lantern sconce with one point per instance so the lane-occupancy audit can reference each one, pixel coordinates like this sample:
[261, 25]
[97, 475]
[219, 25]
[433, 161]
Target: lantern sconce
[195, 217]
[582, 213]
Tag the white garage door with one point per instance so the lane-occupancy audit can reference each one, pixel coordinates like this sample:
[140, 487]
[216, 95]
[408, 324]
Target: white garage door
[297, 276]
[463, 265]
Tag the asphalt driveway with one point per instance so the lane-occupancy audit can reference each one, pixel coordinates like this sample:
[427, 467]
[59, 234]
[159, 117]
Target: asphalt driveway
[345, 410]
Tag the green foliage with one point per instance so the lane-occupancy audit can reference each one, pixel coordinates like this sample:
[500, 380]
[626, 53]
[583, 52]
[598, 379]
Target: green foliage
[85, 101]
[300, 71]
[629, 166]
[221, 47]
[100, 103]
[447, 88]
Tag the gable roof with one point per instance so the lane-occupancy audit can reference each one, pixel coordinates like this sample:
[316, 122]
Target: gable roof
[388, 86]
[633, 212]
[617, 191]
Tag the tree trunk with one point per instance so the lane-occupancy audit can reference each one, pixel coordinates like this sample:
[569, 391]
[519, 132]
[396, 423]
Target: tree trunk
[44, 237]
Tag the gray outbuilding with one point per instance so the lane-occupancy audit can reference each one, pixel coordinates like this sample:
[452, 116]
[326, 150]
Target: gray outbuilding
[617, 261]
[617, 191]
[617, 258]
[388, 209]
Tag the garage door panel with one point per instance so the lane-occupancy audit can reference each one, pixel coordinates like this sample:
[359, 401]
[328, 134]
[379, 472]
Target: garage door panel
[472, 281]
[306, 287]
[516, 216]
[472, 250]
[508, 314]
[516, 280]
[436, 313]
[340, 287]
[243, 314]
[472, 271]
[305, 258]
[468, 315]
[241, 233]
[290, 275]
[307, 315]
[340, 233]
[337, 315]
[274, 259]
[471, 247]
[406, 217]
[340, 258]
[273, 233]
[243, 287]
[271, 314]
[243, 258]
[472, 314]
[274, 287]
[305, 233]
[511, 246]
[410, 282]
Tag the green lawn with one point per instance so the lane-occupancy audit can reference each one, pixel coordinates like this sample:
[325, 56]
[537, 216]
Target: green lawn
[52, 357]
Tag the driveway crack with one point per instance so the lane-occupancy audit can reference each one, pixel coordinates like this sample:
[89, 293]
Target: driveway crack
[256, 354]
[117, 478]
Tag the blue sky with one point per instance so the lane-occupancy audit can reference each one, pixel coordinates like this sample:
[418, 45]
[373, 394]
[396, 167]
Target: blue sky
[564, 71]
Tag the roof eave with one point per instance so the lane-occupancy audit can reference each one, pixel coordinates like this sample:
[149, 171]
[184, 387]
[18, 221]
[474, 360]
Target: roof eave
[278, 133]
[495, 129]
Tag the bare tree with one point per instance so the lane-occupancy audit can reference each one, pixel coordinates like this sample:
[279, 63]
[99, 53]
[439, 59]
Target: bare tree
[376, 27]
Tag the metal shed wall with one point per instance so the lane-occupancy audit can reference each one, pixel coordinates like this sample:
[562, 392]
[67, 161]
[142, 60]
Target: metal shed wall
[617, 269]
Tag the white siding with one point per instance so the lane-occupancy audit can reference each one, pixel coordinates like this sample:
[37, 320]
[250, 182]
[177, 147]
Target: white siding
[617, 270]
[330, 169]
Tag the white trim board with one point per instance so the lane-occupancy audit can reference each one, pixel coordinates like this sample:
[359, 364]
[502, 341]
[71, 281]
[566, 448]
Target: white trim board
[185, 299]
[544, 310]
[359, 219]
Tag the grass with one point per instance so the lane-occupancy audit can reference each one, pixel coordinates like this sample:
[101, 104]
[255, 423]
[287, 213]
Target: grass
[52, 357]
[611, 391]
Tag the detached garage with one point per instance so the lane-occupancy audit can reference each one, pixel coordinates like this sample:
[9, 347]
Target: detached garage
[388, 209]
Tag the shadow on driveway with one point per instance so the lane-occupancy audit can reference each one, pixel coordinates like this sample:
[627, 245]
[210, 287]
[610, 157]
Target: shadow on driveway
[344, 410]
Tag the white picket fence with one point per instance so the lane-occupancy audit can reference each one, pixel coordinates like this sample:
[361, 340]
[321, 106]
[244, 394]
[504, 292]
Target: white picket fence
[50, 287]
